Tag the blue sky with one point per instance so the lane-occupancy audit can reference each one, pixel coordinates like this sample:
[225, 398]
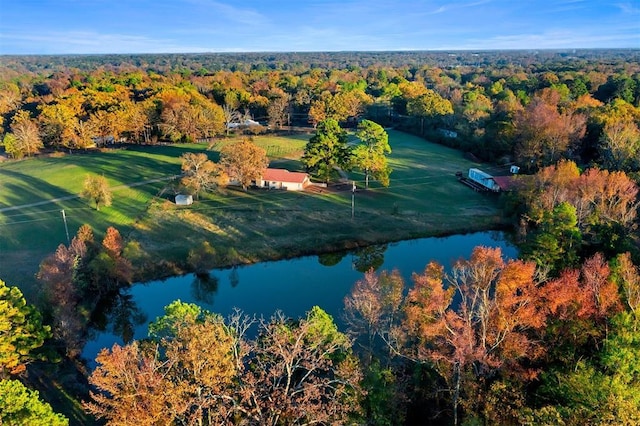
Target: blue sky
[159, 26]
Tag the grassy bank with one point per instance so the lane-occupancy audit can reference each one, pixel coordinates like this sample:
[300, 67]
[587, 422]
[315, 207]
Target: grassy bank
[424, 199]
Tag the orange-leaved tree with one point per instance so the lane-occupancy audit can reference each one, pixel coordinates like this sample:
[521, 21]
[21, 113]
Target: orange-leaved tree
[474, 322]
[198, 369]
[477, 323]
[243, 162]
[132, 387]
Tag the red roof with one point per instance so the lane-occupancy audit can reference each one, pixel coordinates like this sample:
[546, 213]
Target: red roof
[282, 175]
[506, 183]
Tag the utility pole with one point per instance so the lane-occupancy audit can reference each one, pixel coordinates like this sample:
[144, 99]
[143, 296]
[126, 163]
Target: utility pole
[353, 197]
[66, 228]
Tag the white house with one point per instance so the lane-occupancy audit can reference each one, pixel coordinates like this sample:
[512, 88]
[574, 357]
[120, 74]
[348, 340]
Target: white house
[245, 123]
[283, 179]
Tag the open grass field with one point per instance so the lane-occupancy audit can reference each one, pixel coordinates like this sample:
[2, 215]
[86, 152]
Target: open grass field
[28, 234]
[424, 199]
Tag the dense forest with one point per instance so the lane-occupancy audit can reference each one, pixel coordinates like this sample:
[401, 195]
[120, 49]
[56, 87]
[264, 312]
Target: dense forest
[529, 107]
[550, 338]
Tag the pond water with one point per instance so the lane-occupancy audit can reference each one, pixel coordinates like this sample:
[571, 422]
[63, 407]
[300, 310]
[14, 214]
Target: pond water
[292, 286]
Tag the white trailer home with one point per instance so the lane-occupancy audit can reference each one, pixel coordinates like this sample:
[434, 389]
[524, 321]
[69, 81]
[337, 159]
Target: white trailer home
[484, 179]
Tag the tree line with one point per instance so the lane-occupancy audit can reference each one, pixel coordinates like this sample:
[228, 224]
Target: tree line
[551, 338]
[490, 340]
[506, 107]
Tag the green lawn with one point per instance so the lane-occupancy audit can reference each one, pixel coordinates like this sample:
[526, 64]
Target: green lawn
[277, 147]
[423, 182]
[424, 199]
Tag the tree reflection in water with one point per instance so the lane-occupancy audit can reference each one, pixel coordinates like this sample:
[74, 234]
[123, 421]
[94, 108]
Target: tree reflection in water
[204, 287]
[370, 257]
[331, 259]
[234, 278]
[125, 315]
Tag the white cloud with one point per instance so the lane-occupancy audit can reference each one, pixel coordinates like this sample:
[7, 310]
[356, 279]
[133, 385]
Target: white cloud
[231, 13]
[265, 25]
[457, 6]
[551, 40]
[629, 8]
[83, 42]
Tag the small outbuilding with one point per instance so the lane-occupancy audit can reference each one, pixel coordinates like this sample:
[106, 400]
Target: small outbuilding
[448, 133]
[283, 179]
[184, 200]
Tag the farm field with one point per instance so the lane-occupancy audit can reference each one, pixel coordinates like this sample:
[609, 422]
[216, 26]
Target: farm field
[424, 199]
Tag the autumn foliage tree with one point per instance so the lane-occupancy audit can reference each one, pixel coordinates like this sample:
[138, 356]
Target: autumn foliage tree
[487, 332]
[74, 279]
[199, 369]
[428, 104]
[628, 276]
[473, 325]
[96, 189]
[580, 301]
[132, 387]
[594, 346]
[186, 115]
[301, 372]
[58, 273]
[24, 138]
[564, 206]
[179, 375]
[545, 131]
[620, 144]
[339, 106]
[200, 348]
[279, 110]
[58, 122]
[373, 307]
[243, 162]
[109, 268]
[201, 174]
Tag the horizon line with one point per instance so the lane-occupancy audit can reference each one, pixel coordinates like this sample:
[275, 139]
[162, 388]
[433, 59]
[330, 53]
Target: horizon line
[225, 52]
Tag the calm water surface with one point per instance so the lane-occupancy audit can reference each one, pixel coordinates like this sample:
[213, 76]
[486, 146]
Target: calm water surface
[292, 286]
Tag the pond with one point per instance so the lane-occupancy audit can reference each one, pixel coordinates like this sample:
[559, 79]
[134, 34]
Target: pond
[292, 286]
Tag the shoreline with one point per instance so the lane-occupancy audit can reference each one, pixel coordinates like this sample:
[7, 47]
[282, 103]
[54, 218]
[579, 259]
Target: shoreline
[325, 248]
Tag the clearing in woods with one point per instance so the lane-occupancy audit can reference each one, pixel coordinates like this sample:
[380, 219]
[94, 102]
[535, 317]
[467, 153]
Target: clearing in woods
[423, 199]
